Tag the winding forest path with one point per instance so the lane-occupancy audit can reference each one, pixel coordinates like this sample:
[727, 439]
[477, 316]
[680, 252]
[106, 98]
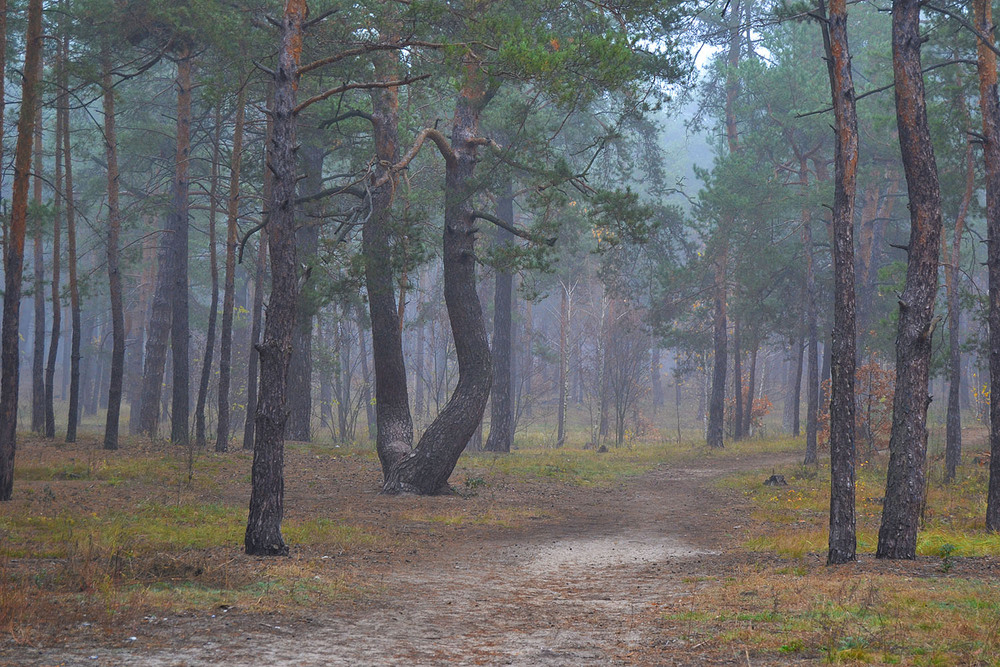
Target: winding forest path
[580, 590]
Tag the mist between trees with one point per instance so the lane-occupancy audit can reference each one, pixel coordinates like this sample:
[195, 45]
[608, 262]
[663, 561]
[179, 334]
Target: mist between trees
[440, 227]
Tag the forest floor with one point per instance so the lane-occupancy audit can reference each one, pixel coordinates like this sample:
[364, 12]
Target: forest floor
[645, 567]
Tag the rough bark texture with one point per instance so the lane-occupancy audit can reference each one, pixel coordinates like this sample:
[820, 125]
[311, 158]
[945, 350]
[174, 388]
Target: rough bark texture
[263, 534]
[213, 308]
[114, 270]
[179, 328]
[229, 286]
[14, 250]
[843, 541]
[908, 440]
[990, 111]
[427, 468]
[501, 436]
[394, 424]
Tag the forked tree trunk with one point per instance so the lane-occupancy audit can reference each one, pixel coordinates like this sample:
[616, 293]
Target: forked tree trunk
[843, 542]
[14, 250]
[501, 436]
[213, 266]
[990, 111]
[229, 287]
[179, 328]
[114, 271]
[908, 441]
[427, 468]
[263, 534]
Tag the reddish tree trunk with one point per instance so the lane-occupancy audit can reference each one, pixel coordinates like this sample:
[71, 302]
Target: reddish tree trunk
[14, 250]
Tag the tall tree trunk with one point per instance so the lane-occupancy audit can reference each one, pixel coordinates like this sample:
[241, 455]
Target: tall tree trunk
[427, 468]
[229, 287]
[114, 271]
[249, 425]
[564, 315]
[908, 441]
[213, 267]
[812, 344]
[263, 534]
[953, 429]
[751, 383]
[311, 151]
[370, 416]
[180, 331]
[656, 379]
[737, 379]
[38, 359]
[394, 437]
[989, 106]
[501, 436]
[50, 367]
[843, 542]
[14, 250]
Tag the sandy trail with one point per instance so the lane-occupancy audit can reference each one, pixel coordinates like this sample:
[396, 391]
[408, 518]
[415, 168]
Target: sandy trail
[580, 591]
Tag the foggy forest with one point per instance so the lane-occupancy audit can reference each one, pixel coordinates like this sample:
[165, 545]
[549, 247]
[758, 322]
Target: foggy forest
[559, 332]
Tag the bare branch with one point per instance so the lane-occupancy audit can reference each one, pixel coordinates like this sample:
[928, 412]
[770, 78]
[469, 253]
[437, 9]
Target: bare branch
[503, 224]
[357, 86]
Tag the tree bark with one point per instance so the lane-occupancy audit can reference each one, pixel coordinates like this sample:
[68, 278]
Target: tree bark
[953, 429]
[38, 359]
[14, 250]
[72, 418]
[501, 436]
[229, 287]
[114, 271]
[179, 328]
[427, 468]
[908, 441]
[812, 343]
[989, 106]
[50, 367]
[751, 383]
[737, 379]
[213, 267]
[564, 315]
[843, 541]
[263, 534]
[394, 424]
[717, 399]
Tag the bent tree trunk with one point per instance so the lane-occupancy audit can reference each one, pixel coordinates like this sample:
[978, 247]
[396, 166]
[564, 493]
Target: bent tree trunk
[263, 534]
[394, 425]
[427, 468]
[14, 251]
[904, 491]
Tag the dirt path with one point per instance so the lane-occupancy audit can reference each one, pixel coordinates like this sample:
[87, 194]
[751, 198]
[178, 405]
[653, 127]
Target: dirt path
[583, 590]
